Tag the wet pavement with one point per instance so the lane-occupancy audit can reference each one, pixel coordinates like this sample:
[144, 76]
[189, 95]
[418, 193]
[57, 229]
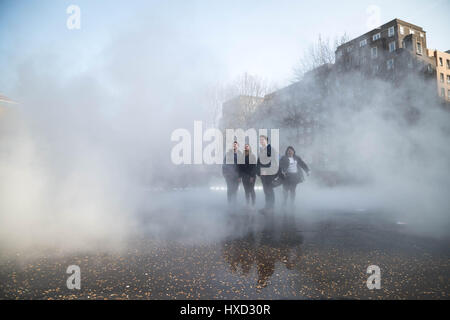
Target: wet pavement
[288, 255]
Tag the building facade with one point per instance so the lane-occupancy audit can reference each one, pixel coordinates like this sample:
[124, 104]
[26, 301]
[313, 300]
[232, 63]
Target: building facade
[381, 50]
[442, 60]
[306, 109]
[393, 51]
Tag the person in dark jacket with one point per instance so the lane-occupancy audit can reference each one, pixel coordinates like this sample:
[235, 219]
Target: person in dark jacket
[230, 171]
[291, 173]
[248, 174]
[265, 170]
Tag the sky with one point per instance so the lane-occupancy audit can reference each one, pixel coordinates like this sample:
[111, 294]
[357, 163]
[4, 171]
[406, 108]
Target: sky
[225, 38]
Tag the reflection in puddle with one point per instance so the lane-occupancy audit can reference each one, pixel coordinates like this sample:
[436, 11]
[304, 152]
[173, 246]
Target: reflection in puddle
[180, 250]
[262, 247]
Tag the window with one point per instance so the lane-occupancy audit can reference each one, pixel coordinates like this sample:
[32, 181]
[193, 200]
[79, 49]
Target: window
[391, 32]
[392, 46]
[448, 79]
[376, 36]
[442, 92]
[448, 94]
[419, 48]
[390, 64]
[362, 43]
[442, 77]
[440, 62]
[374, 52]
[402, 30]
[339, 53]
[411, 31]
[448, 64]
[349, 48]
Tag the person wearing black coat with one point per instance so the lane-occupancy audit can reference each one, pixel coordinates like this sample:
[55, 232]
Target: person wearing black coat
[265, 170]
[291, 173]
[231, 173]
[248, 174]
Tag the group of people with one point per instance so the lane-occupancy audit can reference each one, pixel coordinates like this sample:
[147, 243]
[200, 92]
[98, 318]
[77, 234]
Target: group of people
[245, 167]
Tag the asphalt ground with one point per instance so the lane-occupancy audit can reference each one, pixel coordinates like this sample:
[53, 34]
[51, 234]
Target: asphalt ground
[289, 254]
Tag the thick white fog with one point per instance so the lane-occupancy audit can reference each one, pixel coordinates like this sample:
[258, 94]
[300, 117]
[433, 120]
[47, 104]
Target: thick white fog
[391, 139]
[82, 154]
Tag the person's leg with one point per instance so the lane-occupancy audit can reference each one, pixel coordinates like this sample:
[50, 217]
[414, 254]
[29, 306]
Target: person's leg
[235, 187]
[285, 192]
[228, 190]
[252, 191]
[265, 189]
[270, 192]
[294, 186]
[291, 196]
[246, 184]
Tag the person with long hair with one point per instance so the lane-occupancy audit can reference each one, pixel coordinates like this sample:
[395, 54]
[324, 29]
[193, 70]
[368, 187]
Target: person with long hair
[230, 171]
[291, 173]
[248, 174]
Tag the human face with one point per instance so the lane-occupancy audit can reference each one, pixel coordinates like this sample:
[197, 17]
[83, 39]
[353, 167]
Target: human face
[235, 146]
[263, 141]
[247, 147]
[290, 152]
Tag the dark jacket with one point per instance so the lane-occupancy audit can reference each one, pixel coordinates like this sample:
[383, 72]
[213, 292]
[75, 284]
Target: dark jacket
[250, 166]
[301, 165]
[231, 171]
[266, 152]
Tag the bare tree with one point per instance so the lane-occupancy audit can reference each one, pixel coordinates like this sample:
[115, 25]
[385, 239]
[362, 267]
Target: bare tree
[248, 85]
[318, 54]
[248, 90]
[215, 96]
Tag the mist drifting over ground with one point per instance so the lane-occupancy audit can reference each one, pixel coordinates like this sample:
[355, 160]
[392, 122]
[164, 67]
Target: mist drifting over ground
[80, 152]
[389, 137]
[397, 141]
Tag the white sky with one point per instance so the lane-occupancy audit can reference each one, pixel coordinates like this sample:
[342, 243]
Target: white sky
[261, 37]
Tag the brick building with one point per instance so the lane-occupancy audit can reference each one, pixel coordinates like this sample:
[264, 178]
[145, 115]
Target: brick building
[442, 60]
[394, 50]
[304, 110]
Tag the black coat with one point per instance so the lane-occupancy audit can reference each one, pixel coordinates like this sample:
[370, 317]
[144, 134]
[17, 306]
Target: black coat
[266, 152]
[301, 165]
[231, 170]
[249, 167]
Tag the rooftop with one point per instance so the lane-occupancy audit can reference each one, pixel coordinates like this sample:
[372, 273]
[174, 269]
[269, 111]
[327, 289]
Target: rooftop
[397, 21]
